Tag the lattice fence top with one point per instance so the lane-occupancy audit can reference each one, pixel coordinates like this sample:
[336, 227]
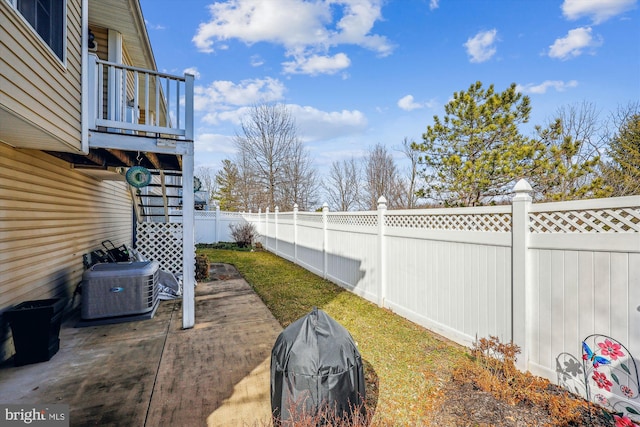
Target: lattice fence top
[223, 215]
[370, 220]
[310, 217]
[497, 222]
[232, 214]
[204, 214]
[618, 220]
[161, 242]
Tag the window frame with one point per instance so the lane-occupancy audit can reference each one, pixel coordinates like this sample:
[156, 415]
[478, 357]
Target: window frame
[62, 58]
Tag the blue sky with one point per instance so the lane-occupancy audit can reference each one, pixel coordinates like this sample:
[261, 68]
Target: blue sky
[355, 73]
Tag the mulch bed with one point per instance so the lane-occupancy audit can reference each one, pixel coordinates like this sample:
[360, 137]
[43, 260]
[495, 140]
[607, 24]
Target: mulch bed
[465, 405]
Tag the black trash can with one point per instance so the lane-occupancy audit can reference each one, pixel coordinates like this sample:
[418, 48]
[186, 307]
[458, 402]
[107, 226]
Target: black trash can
[35, 326]
[316, 369]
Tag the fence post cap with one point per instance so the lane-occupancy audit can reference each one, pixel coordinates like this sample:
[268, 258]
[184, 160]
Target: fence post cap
[325, 207]
[382, 202]
[522, 186]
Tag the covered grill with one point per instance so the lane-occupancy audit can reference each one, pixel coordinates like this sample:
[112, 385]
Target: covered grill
[316, 366]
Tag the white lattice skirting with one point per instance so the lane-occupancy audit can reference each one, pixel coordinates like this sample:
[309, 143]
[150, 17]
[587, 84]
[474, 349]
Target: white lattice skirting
[161, 242]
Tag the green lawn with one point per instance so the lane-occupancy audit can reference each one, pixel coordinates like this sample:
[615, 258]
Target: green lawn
[405, 364]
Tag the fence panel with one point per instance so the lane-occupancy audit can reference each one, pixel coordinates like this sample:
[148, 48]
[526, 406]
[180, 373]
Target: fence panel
[310, 246]
[451, 272]
[352, 252]
[584, 277]
[205, 227]
[214, 226]
[285, 244]
[270, 227]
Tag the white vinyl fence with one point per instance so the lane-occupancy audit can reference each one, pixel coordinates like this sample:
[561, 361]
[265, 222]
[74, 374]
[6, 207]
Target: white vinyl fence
[213, 226]
[545, 276]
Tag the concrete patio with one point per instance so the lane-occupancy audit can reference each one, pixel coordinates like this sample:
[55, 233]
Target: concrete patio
[153, 373]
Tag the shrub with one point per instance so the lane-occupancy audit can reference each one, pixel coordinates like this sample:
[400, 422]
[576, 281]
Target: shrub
[243, 234]
[493, 370]
[202, 267]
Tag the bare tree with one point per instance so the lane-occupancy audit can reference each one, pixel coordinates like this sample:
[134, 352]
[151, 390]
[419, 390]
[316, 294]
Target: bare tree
[273, 161]
[206, 175]
[381, 179]
[343, 185]
[267, 138]
[252, 195]
[580, 122]
[411, 198]
[300, 183]
[569, 167]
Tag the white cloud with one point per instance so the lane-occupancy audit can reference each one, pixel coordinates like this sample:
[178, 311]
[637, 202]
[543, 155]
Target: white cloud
[481, 46]
[407, 103]
[542, 88]
[194, 71]
[224, 95]
[312, 124]
[256, 61]
[434, 4]
[154, 26]
[598, 10]
[286, 22]
[228, 102]
[318, 125]
[573, 44]
[232, 116]
[306, 29]
[317, 64]
[215, 143]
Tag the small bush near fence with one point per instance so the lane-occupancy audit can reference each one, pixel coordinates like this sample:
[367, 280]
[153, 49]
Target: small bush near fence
[243, 234]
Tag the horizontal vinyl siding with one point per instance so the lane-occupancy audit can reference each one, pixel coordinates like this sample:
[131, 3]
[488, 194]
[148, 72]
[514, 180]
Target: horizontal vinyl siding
[50, 215]
[102, 39]
[34, 84]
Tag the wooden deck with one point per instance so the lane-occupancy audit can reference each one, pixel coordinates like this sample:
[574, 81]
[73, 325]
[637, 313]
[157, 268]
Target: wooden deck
[153, 373]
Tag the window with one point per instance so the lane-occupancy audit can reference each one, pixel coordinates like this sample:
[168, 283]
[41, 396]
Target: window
[47, 18]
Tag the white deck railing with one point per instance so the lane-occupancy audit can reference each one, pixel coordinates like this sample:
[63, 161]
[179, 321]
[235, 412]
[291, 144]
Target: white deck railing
[138, 101]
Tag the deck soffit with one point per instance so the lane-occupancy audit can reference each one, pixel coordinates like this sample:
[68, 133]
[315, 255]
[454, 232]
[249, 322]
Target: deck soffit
[125, 16]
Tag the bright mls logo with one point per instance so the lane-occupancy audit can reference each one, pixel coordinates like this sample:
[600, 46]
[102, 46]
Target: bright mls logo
[34, 415]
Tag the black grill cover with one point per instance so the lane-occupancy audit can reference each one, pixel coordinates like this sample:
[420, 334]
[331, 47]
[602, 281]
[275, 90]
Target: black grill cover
[315, 365]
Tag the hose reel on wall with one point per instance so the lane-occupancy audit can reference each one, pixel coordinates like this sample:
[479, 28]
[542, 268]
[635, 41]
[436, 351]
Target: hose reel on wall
[138, 176]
